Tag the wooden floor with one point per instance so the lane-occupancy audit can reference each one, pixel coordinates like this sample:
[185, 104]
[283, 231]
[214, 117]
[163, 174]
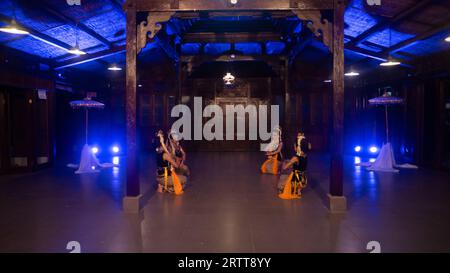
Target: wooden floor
[228, 207]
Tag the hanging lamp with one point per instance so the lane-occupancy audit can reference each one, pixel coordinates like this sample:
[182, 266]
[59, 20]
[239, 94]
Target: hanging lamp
[76, 50]
[390, 61]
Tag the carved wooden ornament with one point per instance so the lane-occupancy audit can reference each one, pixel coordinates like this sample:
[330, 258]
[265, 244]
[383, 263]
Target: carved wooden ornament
[153, 24]
[321, 28]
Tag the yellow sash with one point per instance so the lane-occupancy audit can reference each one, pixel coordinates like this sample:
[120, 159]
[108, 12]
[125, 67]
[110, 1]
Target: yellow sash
[178, 189]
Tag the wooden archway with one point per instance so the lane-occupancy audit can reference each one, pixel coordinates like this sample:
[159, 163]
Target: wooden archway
[159, 11]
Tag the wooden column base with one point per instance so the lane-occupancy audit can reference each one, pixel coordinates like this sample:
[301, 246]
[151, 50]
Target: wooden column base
[337, 204]
[132, 204]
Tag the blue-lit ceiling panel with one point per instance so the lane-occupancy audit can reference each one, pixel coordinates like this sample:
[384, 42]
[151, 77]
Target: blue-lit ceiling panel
[357, 21]
[35, 47]
[67, 34]
[111, 25]
[382, 37]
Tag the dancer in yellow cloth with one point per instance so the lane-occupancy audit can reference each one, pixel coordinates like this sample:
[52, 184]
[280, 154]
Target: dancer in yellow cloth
[168, 180]
[290, 186]
[273, 153]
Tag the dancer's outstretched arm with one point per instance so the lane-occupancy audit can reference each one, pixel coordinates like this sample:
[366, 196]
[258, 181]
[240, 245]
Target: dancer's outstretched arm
[290, 163]
[163, 145]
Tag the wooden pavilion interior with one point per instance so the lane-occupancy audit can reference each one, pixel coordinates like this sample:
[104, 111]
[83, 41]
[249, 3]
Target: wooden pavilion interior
[318, 60]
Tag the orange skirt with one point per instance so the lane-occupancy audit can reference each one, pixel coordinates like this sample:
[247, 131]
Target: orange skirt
[293, 186]
[270, 166]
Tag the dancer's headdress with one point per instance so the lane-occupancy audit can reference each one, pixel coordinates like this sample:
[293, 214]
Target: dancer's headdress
[175, 135]
[275, 140]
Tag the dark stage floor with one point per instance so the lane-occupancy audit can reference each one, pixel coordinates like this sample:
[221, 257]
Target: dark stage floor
[229, 207]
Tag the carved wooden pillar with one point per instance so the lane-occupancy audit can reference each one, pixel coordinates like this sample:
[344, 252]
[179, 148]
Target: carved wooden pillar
[332, 35]
[336, 173]
[132, 172]
[137, 37]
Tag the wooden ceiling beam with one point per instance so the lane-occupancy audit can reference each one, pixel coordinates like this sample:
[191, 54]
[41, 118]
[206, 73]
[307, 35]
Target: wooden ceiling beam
[205, 5]
[210, 37]
[252, 14]
[199, 59]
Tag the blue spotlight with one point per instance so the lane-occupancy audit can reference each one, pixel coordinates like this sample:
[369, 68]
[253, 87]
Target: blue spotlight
[373, 149]
[357, 149]
[116, 160]
[94, 150]
[115, 149]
